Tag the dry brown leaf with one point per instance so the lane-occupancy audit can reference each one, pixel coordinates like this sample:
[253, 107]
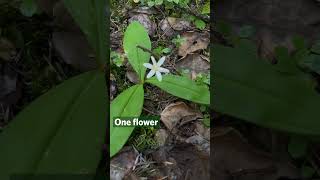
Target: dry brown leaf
[178, 113]
[132, 76]
[194, 41]
[161, 137]
[145, 21]
[171, 24]
[122, 164]
[194, 63]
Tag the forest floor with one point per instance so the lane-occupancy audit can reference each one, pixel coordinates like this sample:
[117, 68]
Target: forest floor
[180, 149]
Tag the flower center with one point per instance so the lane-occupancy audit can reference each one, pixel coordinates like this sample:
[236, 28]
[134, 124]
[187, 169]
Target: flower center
[155, 68]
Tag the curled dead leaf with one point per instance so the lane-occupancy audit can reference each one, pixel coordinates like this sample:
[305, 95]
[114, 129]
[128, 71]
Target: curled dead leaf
[194, 41]
[178, 113]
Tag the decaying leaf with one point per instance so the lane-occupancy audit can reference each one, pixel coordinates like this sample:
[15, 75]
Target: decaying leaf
[145, 21]
[132, 76]
[194, 41]
[171, 24]
[161, 137]
[122, 163]
[182, 161]
[194, 63]
[178, 113]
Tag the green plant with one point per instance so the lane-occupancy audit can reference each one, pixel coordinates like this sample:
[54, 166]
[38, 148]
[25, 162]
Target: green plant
[200, 24]
[62, 131]
[178, 40]
[167, 3]
[117, 58]
[160, 50]
[130, 102]
[278, 96]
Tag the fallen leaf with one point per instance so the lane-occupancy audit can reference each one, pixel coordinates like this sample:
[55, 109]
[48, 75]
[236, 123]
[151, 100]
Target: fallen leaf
[202, 130]
[194, 63]
[171, 24]
[178, 113]
[194, 41]
[200, 142]
[122, 164]
[183, 161]
[145, 21]
[132, 76]
[161, 137]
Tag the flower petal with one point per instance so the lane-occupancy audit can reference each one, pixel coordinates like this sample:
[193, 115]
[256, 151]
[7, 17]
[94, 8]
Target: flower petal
[153, 60]
[147, 65]
[161, 61]
[159, 76]
[164, 70]
[151, 73]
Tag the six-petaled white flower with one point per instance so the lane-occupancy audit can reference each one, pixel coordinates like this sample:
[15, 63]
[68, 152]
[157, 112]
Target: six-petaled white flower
[156, 68]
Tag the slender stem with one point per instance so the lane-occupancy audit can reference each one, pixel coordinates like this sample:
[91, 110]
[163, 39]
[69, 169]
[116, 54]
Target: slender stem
[148, 50]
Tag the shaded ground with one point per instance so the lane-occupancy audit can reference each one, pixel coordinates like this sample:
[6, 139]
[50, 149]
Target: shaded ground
[180, 148]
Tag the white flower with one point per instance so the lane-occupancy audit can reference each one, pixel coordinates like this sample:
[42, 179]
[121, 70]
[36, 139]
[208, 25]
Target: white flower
[155, 68]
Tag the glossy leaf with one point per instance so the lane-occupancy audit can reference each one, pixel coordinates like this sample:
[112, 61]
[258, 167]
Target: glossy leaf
[128, 104]
[61, 132]
[91, 17]
[183, 87]
[137, 35]
[251, 89]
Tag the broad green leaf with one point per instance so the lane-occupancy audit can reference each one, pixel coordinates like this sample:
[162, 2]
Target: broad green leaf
[28, 7]
[61, 132]
[183, 87]
[249, 88]
[200, 24]
[91, 16]
[128, 104]
[137, 35]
